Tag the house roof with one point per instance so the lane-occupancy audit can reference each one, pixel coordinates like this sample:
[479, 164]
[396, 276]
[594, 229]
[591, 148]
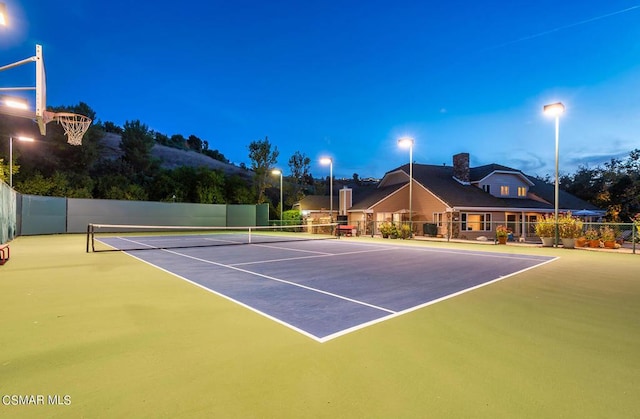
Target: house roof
[439, 180]
[318, 202]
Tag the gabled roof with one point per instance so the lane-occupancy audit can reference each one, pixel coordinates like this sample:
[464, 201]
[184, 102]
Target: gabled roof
[371, 197]
[478, 174]
[318, 202]
[439, 180]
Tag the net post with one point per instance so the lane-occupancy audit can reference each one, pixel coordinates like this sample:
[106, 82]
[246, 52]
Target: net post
[90, 237]
[249, 235]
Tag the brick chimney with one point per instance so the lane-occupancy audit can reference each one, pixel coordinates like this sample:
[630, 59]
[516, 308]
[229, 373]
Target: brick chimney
[461, 167]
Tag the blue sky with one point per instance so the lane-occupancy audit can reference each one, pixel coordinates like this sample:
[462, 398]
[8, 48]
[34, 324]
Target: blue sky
[348, 78]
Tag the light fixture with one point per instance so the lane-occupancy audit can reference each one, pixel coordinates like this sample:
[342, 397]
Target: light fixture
[3, 14]
[555, 110]
[328, 161]
[15, 102]
[405, 142]
[20, 138]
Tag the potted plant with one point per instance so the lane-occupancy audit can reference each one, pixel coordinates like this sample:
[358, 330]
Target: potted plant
[405, 231]
[569, 229]
[608, 237]
[393, 232]
[502, 232]
[546, 230]
[592, 237]
[386, 229]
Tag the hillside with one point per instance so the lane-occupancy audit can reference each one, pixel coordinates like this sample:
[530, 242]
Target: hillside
[172, 158]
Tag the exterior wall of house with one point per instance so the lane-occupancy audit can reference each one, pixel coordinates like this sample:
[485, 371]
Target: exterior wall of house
[497, 181]
[396, 207]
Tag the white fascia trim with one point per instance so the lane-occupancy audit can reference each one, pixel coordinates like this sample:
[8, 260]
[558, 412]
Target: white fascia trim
[508, 172]
[460, 181]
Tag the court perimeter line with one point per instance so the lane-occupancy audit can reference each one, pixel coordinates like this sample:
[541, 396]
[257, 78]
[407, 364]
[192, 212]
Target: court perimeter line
[428, 303]
[281, 281]
[427, 248]
[233, 300]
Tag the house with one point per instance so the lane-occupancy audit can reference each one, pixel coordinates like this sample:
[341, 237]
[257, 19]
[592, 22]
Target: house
[459, 201]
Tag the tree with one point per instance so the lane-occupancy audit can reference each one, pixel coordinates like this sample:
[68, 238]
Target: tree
[299, 164]
[614, 186]
[262, 161]
[194, 143]
[109, 126]
[136, 144]
[237, 191]
[178, 141]
[210, 186]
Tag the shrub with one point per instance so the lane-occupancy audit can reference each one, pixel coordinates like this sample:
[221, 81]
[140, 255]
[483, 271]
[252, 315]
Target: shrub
[569, 226]
[607, 234]
[591, 234]
[405, 231]
[546, 226]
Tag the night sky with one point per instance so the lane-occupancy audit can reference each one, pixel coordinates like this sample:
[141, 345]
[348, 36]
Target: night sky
[346, 79]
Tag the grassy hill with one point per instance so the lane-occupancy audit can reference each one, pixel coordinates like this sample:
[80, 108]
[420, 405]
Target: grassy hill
[172, 158]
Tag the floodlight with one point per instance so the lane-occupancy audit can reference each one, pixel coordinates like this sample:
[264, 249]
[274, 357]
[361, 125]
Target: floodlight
[553, 109]
[3, 14]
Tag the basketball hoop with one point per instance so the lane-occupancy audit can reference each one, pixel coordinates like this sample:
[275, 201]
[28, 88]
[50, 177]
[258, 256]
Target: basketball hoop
[74, 125]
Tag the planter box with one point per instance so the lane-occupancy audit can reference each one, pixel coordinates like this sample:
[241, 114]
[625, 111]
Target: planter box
[547, 241]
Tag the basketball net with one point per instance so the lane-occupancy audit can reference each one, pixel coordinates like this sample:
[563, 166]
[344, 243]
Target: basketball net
[74, 125]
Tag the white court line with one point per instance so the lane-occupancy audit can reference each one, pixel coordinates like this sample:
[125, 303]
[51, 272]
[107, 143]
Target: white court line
[392, 314]
[321, 255]
[426, 248]
[281, 281]
[428, 303]
[233, 300]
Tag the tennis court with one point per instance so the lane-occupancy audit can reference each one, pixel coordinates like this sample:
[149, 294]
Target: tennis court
[324, 288]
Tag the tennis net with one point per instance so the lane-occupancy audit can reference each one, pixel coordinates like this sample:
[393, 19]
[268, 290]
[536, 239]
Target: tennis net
[114, 237]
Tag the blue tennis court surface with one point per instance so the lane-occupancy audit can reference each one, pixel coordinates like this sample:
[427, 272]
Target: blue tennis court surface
[325, 289]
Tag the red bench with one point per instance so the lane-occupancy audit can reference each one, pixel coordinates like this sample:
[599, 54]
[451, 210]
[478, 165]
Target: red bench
[4, 253]
[345, 230]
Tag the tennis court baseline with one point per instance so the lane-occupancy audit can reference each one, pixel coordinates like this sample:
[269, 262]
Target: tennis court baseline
[325, 289]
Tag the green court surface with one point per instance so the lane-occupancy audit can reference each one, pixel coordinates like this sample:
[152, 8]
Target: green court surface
[103, 335]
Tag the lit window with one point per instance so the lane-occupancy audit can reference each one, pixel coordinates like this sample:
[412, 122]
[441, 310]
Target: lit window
[504, 190]
[522, 191]
[475, 222]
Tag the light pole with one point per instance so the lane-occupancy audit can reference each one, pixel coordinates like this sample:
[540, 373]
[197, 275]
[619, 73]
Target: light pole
[329, 161]
[555, 110]
[408, 142]
[27, 139]
[279, 172]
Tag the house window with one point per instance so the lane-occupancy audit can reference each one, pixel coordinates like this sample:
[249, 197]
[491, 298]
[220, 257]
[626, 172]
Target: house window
[475, 222]
[504, 190]
[522, 191]
[438, 219]
[486, 188]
